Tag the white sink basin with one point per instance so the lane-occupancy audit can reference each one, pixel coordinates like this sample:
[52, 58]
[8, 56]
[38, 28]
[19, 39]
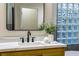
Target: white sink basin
[31, 44]
[37, 43]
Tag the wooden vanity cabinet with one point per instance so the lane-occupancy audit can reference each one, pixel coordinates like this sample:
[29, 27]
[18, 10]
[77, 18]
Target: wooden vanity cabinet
[36, 52]
[53, 52]
[22, 53]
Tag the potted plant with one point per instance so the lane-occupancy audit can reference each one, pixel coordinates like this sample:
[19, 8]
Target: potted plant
[50, 29]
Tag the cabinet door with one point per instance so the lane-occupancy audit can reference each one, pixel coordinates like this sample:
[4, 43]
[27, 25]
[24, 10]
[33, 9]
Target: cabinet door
[53, 52]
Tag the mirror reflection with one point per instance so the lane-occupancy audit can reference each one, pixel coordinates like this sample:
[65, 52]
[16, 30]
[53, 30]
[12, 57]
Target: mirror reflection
[25, 16]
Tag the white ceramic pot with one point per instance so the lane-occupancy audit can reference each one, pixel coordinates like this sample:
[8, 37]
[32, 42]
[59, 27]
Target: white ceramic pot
[51, 37]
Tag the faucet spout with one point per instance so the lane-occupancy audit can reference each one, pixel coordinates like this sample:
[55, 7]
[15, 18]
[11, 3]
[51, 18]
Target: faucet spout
[28, 35]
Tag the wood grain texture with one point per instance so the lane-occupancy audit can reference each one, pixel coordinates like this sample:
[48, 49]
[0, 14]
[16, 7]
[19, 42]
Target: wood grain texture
[37, 52]
[54, 52]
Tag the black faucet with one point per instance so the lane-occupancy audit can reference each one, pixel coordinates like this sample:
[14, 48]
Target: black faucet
[28, 35]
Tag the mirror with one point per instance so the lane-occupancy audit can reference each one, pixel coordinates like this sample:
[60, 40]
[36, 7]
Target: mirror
[24, 16]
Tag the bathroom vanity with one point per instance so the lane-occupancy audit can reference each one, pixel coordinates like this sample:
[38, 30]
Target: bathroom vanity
[14, 49]
[24, 17]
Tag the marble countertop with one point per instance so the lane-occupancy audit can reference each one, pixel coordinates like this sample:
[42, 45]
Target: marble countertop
[14, 46]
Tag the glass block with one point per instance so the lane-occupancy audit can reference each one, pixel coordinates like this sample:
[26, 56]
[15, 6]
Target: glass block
[59, 10]
[71, 11]
[75, 14]
[59, 27]
[64, 5]
[78, 27]
[76, 6]
[69, 41]
[75, 34]
[59, 22]
[58, 34]
[64, 21]
[64, 27]
[77, 41]
[70, 6]
[69, 20]
[69, 27]
[59, 18]
[64, 11]
[75, 9]
[59, 5]
[75, 27]
[59, 14]
[64, 41]
[75, 20]
[69, 34]
[74, 41]
[64, 14]
[64, 34]
[69, 15]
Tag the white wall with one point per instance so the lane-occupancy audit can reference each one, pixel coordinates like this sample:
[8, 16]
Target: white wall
[5, 32]
[50, 12]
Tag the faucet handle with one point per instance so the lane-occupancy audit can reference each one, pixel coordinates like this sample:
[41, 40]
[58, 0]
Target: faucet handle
[22, 38]
[33, 39]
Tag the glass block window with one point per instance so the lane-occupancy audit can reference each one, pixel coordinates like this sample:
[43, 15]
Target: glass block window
[68, 23]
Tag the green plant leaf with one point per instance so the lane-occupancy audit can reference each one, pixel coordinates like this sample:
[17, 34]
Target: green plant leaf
[49, 28]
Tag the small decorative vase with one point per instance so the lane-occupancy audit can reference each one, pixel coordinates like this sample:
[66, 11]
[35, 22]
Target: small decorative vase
[51, 37]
